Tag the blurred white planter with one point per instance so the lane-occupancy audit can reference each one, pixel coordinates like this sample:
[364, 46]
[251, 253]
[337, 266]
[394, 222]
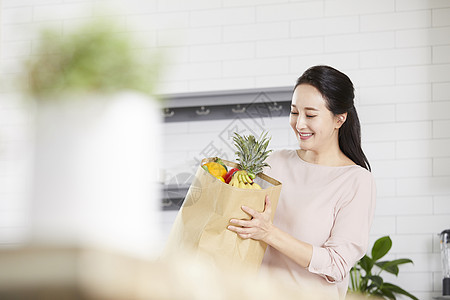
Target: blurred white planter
[96, 163]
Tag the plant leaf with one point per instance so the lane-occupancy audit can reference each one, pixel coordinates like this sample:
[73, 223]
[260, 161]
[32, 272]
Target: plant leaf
[366, 264]
[392, 266]
[385, 266]
[377, 280]
[396, 289]
[371, 289]
[385, 292]
[401, 261]
[381, 247]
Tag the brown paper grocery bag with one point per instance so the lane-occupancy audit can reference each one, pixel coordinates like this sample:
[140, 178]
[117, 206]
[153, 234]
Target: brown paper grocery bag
[201, 223]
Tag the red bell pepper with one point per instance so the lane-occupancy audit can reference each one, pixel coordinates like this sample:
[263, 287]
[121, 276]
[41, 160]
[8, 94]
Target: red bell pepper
[230, 174]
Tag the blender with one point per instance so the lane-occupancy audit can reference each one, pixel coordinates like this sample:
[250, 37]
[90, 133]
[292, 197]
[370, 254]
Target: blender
[445, 253]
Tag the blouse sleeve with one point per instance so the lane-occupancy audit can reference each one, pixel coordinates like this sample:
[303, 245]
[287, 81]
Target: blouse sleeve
[349, 236]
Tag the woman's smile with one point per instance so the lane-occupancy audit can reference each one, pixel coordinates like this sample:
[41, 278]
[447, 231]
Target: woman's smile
[305, 135]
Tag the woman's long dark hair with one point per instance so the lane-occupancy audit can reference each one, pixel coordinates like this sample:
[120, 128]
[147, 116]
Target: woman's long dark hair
[337, 90]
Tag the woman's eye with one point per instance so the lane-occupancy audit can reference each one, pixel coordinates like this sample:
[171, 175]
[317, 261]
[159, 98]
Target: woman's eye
[294, 113]
[310, 116]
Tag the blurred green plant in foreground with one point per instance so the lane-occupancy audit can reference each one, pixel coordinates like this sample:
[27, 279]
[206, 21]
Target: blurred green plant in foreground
[370, 282]
[95, 57]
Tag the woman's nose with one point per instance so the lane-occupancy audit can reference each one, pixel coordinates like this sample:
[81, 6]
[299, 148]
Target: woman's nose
[300, 122]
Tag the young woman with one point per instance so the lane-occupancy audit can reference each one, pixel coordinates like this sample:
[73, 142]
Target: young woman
[326, 206]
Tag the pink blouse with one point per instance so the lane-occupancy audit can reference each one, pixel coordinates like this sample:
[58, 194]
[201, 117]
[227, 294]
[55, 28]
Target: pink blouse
[330, 208]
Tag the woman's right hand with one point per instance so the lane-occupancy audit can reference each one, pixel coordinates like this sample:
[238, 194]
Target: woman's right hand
[259, 227]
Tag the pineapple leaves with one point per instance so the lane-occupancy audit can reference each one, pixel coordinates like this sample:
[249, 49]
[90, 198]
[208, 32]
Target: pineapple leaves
[251, 152]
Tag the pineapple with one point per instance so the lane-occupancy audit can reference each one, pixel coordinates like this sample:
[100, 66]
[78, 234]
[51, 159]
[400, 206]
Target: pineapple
[252, 153]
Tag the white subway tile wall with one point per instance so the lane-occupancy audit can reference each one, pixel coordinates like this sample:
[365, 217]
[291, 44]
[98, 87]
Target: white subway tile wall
[397, 52]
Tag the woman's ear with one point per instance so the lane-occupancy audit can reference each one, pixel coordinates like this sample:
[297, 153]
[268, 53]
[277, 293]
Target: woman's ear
[341, 118]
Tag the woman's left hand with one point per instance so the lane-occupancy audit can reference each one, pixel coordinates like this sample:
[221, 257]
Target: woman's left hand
[258, 228]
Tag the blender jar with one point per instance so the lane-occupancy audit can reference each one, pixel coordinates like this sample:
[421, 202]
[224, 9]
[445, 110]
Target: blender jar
[445, 253]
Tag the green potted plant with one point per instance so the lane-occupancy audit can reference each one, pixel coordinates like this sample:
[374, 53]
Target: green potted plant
[365, 276]
[97, 136]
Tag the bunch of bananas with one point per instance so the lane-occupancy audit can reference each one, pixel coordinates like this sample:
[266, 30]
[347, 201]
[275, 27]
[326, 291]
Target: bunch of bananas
[241, 179]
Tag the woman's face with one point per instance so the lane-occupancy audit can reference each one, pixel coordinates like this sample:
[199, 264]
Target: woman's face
[315, 127]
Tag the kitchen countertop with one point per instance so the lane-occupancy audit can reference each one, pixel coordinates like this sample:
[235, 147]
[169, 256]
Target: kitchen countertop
[97, 274]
